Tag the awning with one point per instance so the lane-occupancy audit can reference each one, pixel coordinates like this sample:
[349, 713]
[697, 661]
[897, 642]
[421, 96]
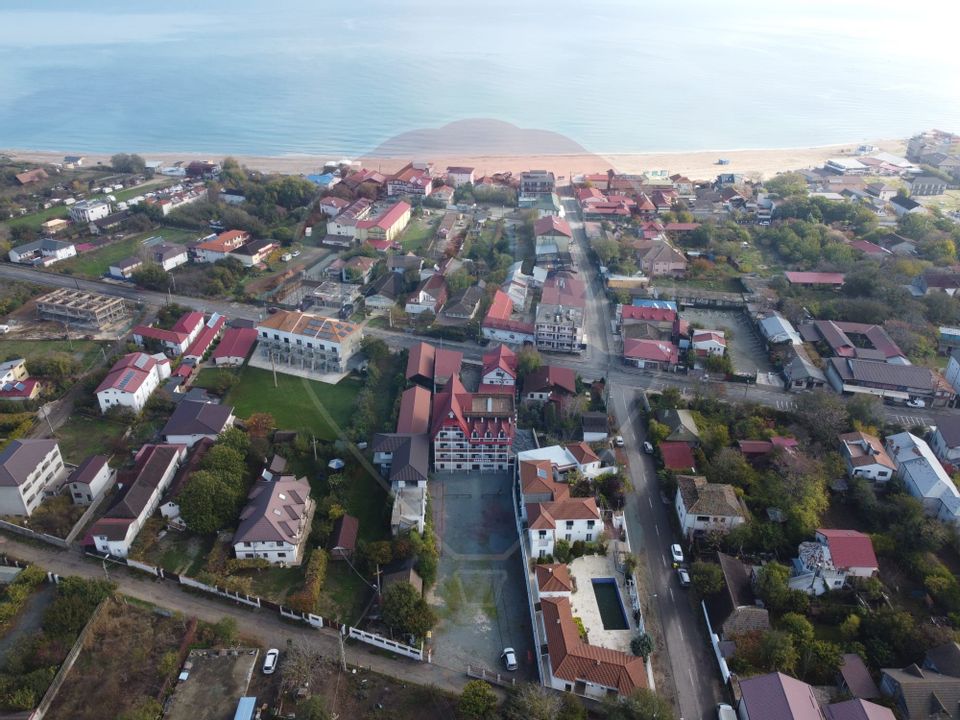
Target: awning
[879, 392]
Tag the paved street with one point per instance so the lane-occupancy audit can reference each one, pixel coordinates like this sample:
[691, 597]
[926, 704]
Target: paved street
[264, 626]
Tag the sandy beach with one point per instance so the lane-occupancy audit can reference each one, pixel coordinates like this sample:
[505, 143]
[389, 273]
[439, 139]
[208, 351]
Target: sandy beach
[699, 165]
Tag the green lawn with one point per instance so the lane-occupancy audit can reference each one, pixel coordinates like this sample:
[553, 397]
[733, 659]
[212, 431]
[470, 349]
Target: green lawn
[275, 583]
[418, 233]
[35, 220]
[84, 351]
[367, 500]
[345, 594]
[295, 403]
[84, 435]
[96, 263]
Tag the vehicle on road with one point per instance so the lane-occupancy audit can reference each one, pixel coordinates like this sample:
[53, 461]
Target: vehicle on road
[726, 712]
[618, 441]
[509, 657]
[916, 403]
[647, 447]
[270, 661]
[684, 577]
[676, 553]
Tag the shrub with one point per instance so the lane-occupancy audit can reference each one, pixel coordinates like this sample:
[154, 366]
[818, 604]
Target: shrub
[316, 574]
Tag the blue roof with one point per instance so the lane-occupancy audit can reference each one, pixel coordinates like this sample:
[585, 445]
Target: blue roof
[246, 708]
[660, 304]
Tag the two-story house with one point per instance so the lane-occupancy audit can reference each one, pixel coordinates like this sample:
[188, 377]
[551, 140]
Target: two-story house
[865, 457]
[89, 479]
[499, 370]
[310, 342]
[946, 440]
[552, 237]
[704, 507]
[925, 478]
[429, 296]
[571, 520]
[928, 690]
[275, 523]
[29, 470]
[131, 381]
[191, 421]
[834, 556]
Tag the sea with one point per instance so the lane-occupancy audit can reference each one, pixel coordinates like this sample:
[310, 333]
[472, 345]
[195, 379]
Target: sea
[277, 77]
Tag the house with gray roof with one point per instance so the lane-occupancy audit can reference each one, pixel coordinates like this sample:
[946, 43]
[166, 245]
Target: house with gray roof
[928, 690]
[29, 470]
[193, 420]
[683, 428]
[704, 507]
[734, 610]
[275, 523]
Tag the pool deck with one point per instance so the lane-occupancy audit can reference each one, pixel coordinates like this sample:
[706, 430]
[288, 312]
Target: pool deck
[583, 602]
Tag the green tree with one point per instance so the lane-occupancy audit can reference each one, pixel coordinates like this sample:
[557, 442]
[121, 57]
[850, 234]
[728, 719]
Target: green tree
[236, 439]
[531, 701]
[528, 360]
[124, 163]
[707, 578]
[850, 628]
[798, 626]
[477, 701]
[225, 630]
[459, 280]
[314, 708]
[778, 652]
[786, 184]
[823, 414]
[377, 553]
[405, 610]
[642, 704]
[208, 503]
[776, 594]
[152, 276]
[641, 645]
[571, 708]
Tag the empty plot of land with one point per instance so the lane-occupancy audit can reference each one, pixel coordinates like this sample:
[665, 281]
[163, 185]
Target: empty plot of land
[745, 347]
[217, 680]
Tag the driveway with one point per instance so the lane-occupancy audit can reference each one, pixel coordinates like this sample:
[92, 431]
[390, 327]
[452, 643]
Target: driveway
[744, 345]
[480, 595]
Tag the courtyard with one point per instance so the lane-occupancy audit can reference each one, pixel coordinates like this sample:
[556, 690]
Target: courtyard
[480, 595]
[746, 350]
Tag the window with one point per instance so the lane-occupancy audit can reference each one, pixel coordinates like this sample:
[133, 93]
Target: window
[276, 336]
[543, 533]
[279, 543]
[589, 537]
[569, 524]
[568, 537]
[702, 518]
[283, 554]
[590, 524]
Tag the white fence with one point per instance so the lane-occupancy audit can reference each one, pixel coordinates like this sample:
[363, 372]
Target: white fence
[382, 642]
[238, 597]
[715, 642]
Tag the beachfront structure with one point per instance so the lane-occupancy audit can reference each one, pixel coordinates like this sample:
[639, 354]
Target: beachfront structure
[77, 307]
[131, 381]
[29, 469]
[411, 179]
[457, 176]
[472, 431]
[552, 237]
[310, 342]
[345, 223]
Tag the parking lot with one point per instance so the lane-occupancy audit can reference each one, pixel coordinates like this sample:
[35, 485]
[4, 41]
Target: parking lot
[480, 595]
[744, 345]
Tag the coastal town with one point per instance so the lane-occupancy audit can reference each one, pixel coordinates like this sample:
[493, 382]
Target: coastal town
[431, 442]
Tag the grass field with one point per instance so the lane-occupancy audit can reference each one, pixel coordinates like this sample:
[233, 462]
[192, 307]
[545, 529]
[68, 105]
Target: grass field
[418, 233]
[83, 435]
[292, 402]
[96, 263]
[84, 351]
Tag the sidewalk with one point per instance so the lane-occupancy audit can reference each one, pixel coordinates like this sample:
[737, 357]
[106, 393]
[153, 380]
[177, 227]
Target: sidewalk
[264, 626]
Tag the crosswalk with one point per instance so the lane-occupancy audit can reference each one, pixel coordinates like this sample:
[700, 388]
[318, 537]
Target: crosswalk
[909, 421]
[786, 404]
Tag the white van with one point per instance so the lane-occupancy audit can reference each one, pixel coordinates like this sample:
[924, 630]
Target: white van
[725, 712]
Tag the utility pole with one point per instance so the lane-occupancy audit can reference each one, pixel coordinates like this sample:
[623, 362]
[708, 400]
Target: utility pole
[46, 416]
[343, 653]
[273, 365]
[314, 448]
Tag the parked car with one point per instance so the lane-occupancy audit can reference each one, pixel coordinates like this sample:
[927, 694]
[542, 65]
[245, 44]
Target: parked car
[270, 661]
[916, 403]
[618, 441]
[647, 447]
[726, 712]
[676, 553]
[509, 657]
[684, 577]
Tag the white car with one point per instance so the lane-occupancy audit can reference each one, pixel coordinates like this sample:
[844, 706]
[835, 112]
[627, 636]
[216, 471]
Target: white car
[618, 441]
[270, 661]
[509, 657]
[647, 447]
[726, 712]
[916, 403]
[684, 577]
[676, 553]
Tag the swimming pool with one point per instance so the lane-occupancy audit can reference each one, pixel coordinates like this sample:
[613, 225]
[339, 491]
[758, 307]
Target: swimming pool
[610, 604]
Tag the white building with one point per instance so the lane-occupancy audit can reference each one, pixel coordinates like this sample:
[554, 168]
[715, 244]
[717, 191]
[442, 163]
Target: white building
[865, 457]
[86, 211]
[709, 342]
[835, 556]
[45, 251]
[156, 465]
[131, 381]
[276, 521]
[29, 470]
[192, 421]
[457, 176]
[704, 507]
[311, 342]
[946, 440]
[924, 476]
[570, 520]
[499, 368]
[88, 481]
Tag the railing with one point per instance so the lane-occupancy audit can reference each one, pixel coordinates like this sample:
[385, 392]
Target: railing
[490, 677]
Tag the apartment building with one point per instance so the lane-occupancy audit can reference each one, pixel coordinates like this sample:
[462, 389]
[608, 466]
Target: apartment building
[27, 469]
[309, 342]
[472, 431]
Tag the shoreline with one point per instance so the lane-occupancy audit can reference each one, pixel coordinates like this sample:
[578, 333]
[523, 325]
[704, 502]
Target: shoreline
[697, 164]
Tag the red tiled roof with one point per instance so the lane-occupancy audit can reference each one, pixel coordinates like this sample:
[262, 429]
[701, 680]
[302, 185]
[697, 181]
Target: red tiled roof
[501, 307]
[553, 578]
[583, 453]
[536, 478]
[681, 226]
[814, 278]
[388, 219]
[236, 342]
[205, 338]
[128, 373]
[550, 377]
[414, 416]
[420, 361]
[677, 456]
[551, 225]
[654, 350]
[650, 314]
[502, 358]
[564, 289]
[865, 246]
[849, 548]
[18, 388]
[571, 659]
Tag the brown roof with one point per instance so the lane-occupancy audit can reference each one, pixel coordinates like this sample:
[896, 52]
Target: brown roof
[553, 578]
[153, 463]
[703, 498]
[313, 326]
[414, 416]
[545, 515]
[88, 470]
[536, 478]
[550, 377]
[273, 511]
[344, 535]
[572, 659]
[862, 449]
[20, 458]
[583, 453]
